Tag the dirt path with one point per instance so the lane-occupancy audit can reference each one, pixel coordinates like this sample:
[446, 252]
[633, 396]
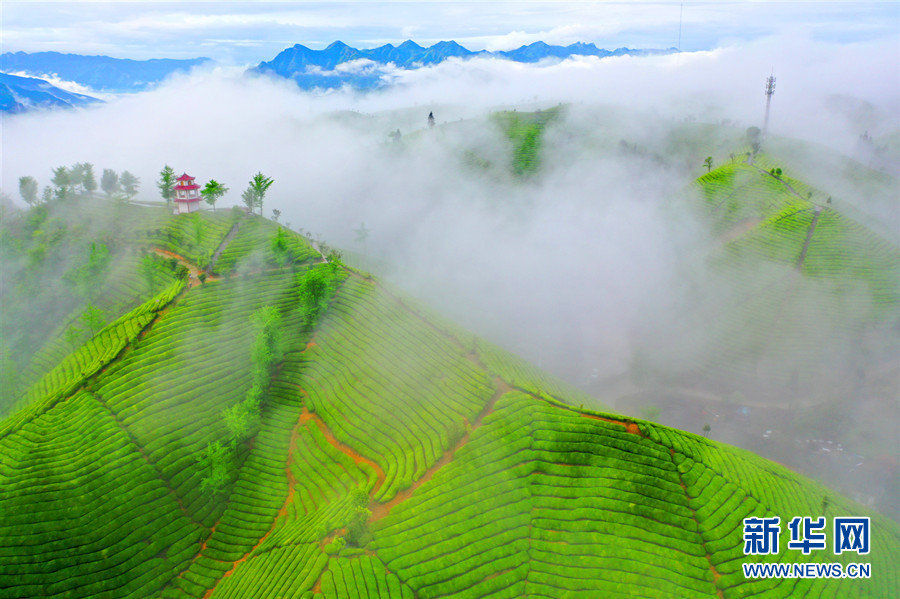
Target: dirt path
[809, 234]
[281, 513]
[193, 269]
[144, 455]
[380, 510]
[307, 416]
[687, 497]
[630, 427]
[739, 229]
[223, 244]
[787, 185]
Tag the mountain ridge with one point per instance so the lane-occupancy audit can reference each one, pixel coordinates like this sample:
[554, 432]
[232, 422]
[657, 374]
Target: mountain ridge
[21, 94]
[308, 67]
[98, 72]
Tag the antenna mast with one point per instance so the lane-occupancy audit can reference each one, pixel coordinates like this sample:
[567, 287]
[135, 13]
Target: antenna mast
[680, 15]
[770, 89]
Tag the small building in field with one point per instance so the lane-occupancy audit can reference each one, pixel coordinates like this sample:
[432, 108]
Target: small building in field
[187, 194]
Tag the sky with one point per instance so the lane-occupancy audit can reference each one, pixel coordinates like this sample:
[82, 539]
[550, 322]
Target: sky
[249, 32]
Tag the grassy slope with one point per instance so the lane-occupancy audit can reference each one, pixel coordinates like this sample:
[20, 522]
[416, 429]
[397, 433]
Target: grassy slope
[481, 483]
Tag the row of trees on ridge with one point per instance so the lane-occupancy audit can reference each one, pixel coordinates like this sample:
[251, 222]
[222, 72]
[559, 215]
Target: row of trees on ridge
[253, 196]
[78, 178]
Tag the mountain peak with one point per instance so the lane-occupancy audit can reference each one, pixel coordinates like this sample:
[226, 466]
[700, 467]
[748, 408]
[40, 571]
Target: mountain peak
[295, 62]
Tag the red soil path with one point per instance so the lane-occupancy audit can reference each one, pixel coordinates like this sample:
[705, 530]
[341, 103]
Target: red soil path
[630, 427]
[381, 510]
[307, 416]
[715, 573]
[281, 513]
[195, 271]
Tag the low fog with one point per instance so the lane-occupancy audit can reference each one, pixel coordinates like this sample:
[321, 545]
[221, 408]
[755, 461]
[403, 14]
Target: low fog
[581, 268]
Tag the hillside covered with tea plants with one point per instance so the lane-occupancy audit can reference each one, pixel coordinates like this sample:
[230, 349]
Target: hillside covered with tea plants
[211, 405]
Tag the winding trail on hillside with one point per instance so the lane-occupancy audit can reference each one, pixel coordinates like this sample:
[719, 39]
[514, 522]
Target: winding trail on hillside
[787, 185]
[809, 234]
[687, 496]
[193, 269]
[96, 397]
[380, 510]
[307, 416]
[223, 244]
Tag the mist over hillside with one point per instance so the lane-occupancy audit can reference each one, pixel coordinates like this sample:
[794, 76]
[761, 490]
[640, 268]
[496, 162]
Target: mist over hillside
[594, 261]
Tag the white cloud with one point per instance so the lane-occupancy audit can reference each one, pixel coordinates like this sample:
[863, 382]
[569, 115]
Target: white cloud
[565, 268]
[144, 30]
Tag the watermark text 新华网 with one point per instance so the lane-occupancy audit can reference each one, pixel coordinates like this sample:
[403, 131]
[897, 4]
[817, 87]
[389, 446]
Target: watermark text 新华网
[807, 535]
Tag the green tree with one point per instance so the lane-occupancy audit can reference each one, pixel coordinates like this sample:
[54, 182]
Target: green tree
[242, 420]
[212, 191]
[357, 527]
[92, 318]
[76, 175]
[47, 194]
[280, 249]
[166, 183]
[260, 184]
[86, 276]
[214, 462]
[73, 336]
[754, 138]
[650, 412]
[129, 184]
[88, 181]
[98, 258]
[109, 181]
[28, 189]
[267, 348]
[150, 267]
[708, 163]
[197, 226]
[276, 214]
[362, 233]
[249, 199]
[706, 429]
[62, 181]
[316, 287]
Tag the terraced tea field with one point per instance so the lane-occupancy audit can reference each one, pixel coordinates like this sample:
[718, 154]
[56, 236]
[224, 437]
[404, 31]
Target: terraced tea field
[806, 280]
[395, 456]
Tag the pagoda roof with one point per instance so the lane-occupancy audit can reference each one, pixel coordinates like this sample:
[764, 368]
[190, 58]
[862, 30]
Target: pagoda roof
[185, 177]
[182, 186]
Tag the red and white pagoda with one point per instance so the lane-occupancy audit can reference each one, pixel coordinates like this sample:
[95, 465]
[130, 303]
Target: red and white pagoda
[187, 194]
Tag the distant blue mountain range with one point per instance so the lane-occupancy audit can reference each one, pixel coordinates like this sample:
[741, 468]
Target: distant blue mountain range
[100, 73]
[319, 68]
[19, 94]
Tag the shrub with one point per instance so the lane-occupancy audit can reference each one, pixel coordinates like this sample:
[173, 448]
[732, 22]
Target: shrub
[335, 546]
